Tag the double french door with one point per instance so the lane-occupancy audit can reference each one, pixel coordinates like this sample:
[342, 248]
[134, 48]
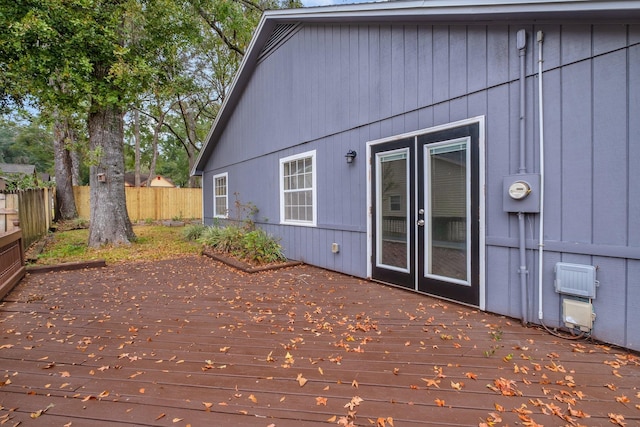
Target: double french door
[425, 208]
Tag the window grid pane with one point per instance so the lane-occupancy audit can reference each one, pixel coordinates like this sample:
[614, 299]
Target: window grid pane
[220, 196]
[298, 190]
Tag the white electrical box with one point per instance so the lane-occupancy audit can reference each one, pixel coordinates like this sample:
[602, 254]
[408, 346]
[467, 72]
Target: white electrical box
[577, 314]
[576, 279]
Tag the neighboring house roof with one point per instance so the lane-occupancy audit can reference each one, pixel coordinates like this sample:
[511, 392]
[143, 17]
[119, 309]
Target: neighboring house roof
[130, 179]
[159, 181]
[276, 25]
[17, 168]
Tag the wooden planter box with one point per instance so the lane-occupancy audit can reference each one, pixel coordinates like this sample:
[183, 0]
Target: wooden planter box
[12, 268]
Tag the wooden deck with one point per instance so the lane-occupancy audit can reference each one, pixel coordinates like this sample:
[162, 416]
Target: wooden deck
[193, 342]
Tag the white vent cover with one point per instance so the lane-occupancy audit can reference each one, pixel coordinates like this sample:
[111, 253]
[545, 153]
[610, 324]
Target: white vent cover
[576, 279]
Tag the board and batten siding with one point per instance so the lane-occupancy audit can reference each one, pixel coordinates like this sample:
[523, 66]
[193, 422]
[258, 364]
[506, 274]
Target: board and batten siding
[332, 88]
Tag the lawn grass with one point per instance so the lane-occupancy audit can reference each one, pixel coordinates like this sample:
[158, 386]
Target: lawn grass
[154, 242]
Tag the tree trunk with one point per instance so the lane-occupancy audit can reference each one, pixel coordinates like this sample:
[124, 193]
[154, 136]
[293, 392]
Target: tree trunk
[75, 165]
[110, 222]
[191, 141]
[65, 201]
[136, 137]
[154, 155]
[154, 145]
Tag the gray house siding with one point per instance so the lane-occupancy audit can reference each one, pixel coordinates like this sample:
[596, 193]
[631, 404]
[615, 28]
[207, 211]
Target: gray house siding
[332, 88]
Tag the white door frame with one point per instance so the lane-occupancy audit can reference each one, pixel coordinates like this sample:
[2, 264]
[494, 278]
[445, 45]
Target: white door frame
[480, 120]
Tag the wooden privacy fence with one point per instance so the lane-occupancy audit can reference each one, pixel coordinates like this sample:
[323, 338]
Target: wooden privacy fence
[32, 208]
[151, 203]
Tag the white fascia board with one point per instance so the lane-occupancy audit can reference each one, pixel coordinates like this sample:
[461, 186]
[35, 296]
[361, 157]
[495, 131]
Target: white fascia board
[450, 9]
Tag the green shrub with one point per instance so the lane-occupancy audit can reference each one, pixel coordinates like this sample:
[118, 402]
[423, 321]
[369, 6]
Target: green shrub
[223, 239]
[260, 247]
[254, 246]
[210, 236]
[193, 232]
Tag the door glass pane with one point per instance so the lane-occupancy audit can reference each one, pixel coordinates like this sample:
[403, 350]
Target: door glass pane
[392, 235]
[447, 198]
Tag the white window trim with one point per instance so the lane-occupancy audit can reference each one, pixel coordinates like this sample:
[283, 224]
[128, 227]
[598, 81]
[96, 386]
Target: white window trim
[314, 192]
[226, 177]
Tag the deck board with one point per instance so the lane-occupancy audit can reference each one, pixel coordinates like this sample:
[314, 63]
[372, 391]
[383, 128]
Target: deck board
[193, 342]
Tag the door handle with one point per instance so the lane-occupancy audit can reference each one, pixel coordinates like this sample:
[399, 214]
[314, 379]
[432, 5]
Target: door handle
[420, 222]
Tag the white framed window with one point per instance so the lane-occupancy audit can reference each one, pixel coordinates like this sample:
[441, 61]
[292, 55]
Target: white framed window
[220, 195]
[298, 189]
[395, 203]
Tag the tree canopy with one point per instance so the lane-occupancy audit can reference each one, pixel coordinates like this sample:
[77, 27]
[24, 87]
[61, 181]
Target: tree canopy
[172, 60]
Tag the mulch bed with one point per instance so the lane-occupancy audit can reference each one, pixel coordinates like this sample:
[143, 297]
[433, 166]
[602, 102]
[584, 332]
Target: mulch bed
[246, 266]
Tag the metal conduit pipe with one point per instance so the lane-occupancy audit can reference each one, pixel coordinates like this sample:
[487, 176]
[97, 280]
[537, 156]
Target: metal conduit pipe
[540, 38]
[521, 44]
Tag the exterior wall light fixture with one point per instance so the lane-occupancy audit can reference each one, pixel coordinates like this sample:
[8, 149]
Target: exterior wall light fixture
[351, 155]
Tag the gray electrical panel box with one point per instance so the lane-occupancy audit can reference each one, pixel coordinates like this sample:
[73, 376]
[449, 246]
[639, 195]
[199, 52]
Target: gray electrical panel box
[521, 193]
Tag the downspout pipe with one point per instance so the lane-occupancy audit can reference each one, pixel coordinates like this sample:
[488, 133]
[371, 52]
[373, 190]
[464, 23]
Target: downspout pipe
[521, 44]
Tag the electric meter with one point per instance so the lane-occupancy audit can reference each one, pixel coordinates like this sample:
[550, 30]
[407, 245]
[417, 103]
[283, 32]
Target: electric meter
[519, 190]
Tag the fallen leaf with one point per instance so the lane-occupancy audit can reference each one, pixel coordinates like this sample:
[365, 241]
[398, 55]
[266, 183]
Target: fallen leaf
[355, 401]
[431, 383]
[301, 380]
[37, 414]
[439, 402]
[457, 386]
[253, 398]
[622, 399]
[471, 375]
[207, 406]
[161, 416]
[617, 419]
[321, 401]
[505, 387]
[494, 418]
[177, 420]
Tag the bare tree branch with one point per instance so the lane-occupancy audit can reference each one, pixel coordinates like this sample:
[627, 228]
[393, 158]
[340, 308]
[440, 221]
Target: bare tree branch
[214, 25]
